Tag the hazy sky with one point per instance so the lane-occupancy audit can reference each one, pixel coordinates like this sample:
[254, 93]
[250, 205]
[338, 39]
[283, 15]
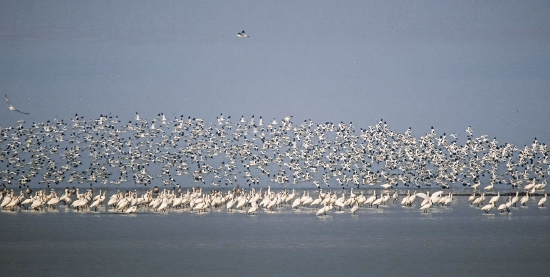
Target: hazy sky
[447, 64]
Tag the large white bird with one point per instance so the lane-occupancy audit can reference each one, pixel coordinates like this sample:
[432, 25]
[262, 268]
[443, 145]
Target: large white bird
[488, 207]
[11, 108]
[542, 201]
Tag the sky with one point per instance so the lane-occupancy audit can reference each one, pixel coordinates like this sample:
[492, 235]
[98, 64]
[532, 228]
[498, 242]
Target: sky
[418, 64]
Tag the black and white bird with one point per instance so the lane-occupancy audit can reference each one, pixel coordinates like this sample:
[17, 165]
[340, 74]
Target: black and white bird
[242, 35]
[11, 108]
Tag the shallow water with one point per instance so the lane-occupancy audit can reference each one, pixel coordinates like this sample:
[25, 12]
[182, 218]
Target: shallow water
[391, 240]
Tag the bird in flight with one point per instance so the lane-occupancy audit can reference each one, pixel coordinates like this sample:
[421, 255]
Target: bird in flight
[11, 108]
[242, 35]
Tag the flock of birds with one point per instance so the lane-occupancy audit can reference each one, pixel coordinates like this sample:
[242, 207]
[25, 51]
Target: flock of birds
[251, 202]
[106, 151]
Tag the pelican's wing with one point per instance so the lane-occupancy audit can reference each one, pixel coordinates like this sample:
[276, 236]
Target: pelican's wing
[8, 101]
[435, 195]
[422, 195]
[10, 106]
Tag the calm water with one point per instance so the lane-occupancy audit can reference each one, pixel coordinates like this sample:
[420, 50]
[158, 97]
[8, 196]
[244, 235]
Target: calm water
[458, 240]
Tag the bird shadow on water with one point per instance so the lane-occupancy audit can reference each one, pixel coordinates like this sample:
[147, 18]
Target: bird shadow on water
[428, 216]
[325, 218]
[488, 216]
[373, 211]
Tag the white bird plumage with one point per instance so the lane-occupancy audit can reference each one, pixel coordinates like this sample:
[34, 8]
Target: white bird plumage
[11, 108]
[242, 34]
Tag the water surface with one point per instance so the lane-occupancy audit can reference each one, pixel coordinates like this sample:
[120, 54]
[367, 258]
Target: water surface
[390, 241]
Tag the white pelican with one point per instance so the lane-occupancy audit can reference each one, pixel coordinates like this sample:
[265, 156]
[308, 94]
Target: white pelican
[320, 211]
[487, 207]
[324, 210]
[524, 199]
[296, 203]
[426, 206]
[542, 201]
[506, 206]
[479, 200]
[377, 202]
[515, 199]
[489, 187]
[386, 186]
[472, 197]
[495, 199]
[253, 209]
[354, 208]
[132, 209]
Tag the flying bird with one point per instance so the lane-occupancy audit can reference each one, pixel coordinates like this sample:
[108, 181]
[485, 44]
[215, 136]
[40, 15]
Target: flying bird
[242, 35]
[11, 108]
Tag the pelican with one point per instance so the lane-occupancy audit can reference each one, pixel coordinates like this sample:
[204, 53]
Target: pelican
[515, 199]
[377, 201]
[489, 187]
[426, 206]
[542, 201]
[324, 210]
[488, 207]
[524, 199]
[296, 203]
[395, 196]
[386, 186]
[495, 199]
[504, 206]
[253, 209]
[132, 209]
[354, 208]
[472, 197]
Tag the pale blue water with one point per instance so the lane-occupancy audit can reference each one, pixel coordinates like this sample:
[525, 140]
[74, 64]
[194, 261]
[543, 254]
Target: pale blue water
[458, 240]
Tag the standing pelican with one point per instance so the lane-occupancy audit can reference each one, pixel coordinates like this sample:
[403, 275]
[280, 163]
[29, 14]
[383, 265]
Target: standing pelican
[487, 207]
[542, 201]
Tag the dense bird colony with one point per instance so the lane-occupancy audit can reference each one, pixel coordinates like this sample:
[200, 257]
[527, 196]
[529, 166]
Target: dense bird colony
[243, 201]
[251, 152]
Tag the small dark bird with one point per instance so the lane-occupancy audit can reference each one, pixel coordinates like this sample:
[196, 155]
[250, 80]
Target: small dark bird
[242, 35]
